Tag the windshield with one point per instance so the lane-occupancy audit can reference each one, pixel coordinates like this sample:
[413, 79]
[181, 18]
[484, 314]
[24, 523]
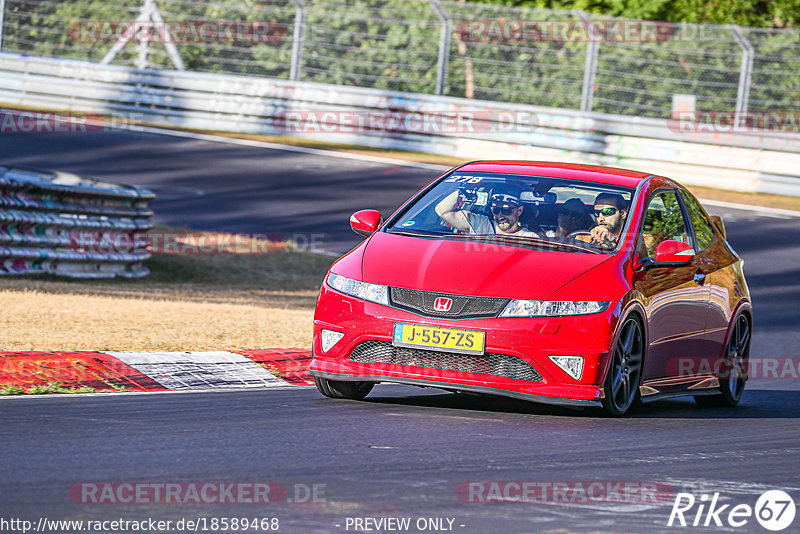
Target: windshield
[582, 216]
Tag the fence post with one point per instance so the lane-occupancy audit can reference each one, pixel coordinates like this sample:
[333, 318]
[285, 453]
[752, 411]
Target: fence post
[148, 14]
[297, 39]
[444, 45]
[589, 69]
[745, 74]
[172, 50]
[2, 21]
[144, 41]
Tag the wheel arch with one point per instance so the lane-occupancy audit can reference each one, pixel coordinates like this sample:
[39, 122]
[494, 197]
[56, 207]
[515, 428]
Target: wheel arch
[743, 307]
[632, 308]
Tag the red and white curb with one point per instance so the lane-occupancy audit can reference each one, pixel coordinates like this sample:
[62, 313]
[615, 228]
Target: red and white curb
[157, 371]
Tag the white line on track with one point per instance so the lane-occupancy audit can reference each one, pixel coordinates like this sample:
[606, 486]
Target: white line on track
[391, 161]
[289, 148]
[774, 212]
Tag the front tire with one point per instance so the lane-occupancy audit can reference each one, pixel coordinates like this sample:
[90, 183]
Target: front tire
[733, 375]
[621, 386]
[339, 389]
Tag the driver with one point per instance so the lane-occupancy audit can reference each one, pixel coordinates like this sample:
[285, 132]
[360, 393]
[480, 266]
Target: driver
[610, 211]
[506, 210]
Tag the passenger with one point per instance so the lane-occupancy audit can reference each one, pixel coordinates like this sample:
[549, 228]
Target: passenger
[571, 217]
[610, 210]
[506, 209]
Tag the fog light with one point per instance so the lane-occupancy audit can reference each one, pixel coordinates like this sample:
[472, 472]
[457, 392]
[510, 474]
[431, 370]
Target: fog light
[572, 365]
[329, 338]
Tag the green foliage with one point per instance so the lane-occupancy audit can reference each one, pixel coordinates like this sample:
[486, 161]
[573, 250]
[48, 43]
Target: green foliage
[758, 13]
[393, 44]
[663, 220]
[72, 29]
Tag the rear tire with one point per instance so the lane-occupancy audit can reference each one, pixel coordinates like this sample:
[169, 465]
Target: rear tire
[733, 373]
[339, 389]
[621, 386]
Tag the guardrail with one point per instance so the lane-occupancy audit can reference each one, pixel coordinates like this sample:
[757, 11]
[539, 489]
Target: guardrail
[745, 161]
[557, 58]
[67, 225]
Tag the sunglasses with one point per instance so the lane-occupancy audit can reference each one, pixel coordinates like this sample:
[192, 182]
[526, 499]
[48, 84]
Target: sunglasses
[571, 214]
[605, 212]
[503, 210]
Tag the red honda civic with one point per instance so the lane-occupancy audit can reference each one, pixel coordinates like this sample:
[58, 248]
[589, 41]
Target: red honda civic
[555, 283]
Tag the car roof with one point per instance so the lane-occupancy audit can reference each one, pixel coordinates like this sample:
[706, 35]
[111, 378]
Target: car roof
[570, 171]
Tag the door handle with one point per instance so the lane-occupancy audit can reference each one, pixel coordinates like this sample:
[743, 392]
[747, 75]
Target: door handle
[699, 278]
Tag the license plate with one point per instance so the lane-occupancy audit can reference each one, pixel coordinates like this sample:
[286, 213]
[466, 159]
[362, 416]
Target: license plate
[435, 338]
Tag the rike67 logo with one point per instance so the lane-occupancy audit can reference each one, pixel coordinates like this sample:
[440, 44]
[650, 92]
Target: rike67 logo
[774, 510]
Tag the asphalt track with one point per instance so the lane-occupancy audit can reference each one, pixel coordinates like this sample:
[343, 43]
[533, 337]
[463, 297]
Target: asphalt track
[214, 186]
[404, 451]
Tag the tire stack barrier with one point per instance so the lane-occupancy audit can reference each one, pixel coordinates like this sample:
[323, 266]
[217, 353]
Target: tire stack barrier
[67, 225]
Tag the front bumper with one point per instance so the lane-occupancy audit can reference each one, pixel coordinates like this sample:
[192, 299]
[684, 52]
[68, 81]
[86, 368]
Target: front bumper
[530, 339]
[462, 387]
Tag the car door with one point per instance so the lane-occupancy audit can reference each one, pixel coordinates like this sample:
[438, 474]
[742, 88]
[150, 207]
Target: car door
[675, 298]
[714, 259]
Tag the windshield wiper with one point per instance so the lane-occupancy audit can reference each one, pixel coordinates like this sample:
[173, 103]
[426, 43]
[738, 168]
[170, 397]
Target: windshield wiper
[574, 246]
[416, 234]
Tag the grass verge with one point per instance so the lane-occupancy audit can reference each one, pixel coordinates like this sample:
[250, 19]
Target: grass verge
[188, 302]
[43, 389]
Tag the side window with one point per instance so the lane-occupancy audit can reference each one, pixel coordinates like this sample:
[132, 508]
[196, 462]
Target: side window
[703, 231]
[663, 220]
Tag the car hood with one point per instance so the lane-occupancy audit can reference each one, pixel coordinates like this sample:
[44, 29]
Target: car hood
[466, 267]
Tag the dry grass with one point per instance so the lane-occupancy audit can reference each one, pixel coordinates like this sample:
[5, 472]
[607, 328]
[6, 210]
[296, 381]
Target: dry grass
[200, 302]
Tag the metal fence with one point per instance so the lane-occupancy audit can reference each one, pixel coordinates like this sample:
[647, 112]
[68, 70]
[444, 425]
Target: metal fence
[67, 225]
[463, 128]
[560, 59]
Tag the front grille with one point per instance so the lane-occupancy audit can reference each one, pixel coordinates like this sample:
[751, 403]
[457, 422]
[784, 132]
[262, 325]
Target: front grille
[464, 307]
[489, 363]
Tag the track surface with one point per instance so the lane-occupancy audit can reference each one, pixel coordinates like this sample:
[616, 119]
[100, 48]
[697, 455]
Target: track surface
[215, 186]
[403, 452]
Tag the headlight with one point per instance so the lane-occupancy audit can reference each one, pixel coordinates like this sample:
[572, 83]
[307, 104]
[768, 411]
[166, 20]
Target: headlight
[548, 308]
[372, 292]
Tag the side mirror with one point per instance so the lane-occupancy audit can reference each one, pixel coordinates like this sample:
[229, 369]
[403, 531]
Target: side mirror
[716, 220]
[674, 252]
[365, 222]
[669, 253]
